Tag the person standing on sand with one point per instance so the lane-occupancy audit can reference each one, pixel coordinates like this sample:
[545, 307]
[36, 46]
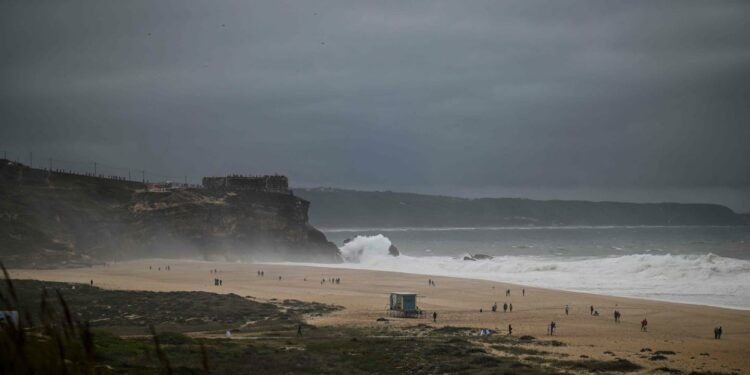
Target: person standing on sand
[299, 329]
[494, 307]
[434, 316]
[592, 309]
[92, 282]
[510, 329]
[566, 309]
[644, 325]
[510, 307]
[523, 292]
[505, 307]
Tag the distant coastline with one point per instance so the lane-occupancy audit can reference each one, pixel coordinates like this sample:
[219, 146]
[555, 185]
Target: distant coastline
[339, 208]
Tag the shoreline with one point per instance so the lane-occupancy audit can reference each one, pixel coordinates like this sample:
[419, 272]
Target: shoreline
[682, 328]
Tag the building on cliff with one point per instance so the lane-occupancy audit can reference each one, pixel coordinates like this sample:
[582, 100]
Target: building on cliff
[268, 184]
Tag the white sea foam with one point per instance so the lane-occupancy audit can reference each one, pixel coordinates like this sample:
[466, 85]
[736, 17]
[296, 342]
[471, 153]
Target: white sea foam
[706, 279]
[503, 228]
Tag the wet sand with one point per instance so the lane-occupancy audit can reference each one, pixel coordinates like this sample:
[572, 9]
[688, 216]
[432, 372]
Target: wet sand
[684, 329]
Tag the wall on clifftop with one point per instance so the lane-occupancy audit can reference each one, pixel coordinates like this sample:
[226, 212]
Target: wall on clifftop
[54, 219]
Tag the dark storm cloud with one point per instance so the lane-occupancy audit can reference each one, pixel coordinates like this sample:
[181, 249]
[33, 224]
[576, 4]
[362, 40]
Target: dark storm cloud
[451, 97]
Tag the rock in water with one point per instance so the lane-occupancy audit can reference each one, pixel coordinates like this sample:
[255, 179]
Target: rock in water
[482, 256]
[393, 250]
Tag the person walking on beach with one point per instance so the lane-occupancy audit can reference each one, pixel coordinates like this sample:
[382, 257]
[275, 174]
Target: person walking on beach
[507, 292]
[510, 329]
[494, 307]
[299, 329]
[592, 309]
[510, 307]
[566, 309]
[644, 325]
[434, 316]
[505, 307]
[617, 316]
[717, 333]
[523, 292]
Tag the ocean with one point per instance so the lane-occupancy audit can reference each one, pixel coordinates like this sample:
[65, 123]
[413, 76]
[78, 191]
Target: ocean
[699, 265]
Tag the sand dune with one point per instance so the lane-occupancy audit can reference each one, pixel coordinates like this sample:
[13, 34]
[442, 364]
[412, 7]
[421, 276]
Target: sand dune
[684, 329]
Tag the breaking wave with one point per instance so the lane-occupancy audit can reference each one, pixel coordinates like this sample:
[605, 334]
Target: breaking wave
[706, 279]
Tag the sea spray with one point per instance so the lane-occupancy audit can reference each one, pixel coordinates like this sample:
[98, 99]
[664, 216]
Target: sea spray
[692, 278]
[364, 248]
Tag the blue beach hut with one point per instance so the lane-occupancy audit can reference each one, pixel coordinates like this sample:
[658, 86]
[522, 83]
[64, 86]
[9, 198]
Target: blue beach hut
[404, 305]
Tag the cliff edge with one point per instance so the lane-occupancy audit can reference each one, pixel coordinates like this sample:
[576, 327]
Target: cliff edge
[52, 219]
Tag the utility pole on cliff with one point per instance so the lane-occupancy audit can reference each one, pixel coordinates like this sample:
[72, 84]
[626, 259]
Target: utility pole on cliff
[143, 175]
[94, 169]
[31, 159]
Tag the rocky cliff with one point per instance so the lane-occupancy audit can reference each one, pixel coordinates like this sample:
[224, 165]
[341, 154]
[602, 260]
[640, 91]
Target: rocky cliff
[52, 219]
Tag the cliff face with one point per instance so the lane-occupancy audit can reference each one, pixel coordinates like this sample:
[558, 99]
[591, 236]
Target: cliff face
[349, 208]
[53, 219]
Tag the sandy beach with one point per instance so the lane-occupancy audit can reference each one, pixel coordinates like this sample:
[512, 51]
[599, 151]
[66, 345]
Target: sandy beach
[686, 330]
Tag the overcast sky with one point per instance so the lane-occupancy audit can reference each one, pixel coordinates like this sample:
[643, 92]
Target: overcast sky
[621, 100]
